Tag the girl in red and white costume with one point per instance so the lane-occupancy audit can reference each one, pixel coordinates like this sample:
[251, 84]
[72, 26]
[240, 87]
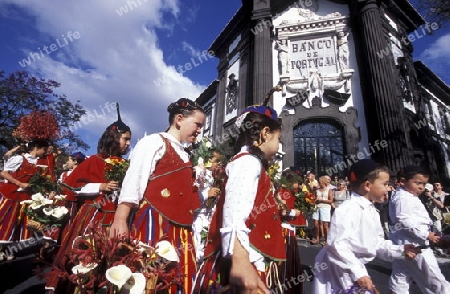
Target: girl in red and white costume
[160, 182]
[246, 233]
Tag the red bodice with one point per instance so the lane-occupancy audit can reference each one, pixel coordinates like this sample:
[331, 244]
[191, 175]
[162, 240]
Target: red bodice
[266, 235]
[23, 174]
[171, 189]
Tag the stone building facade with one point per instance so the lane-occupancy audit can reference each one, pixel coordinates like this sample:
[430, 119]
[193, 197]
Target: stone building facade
[347, 86]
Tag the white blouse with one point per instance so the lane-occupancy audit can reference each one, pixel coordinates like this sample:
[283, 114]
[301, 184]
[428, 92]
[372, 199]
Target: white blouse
[148, 151]
[410, 217]
[240, 194]
[16, 161]
[354, 239]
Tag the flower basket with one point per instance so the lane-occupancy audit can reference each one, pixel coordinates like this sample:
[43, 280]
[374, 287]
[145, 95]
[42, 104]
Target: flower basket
[34, 225]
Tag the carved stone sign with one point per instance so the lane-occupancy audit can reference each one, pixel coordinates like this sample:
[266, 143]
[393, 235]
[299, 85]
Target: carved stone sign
[307, 55]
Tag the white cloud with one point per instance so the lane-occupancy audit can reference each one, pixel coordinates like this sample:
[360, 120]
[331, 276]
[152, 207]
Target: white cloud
[190, 49]
[116, 58]
[437, 50]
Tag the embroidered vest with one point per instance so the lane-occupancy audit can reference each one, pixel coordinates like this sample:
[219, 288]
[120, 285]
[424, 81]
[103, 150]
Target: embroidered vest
[266, 235]
[171, 189]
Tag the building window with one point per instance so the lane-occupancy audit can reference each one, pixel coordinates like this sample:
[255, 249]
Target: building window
[319, 147]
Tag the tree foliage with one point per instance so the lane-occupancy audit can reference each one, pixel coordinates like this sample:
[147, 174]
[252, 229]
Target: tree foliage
[435, 10]
[21, 93]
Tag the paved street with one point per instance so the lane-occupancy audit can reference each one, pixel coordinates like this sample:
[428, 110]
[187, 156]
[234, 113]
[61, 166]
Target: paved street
[378, 269]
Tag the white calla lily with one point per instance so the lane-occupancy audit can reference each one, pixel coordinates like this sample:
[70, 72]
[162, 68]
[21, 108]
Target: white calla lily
[26, 202]
[48, 210]
[83, 269]
[118, 275]
[38, 200]
[208, 144]
[142, 247]
[60, 197]
[166, 250]
[135, 284]
[59, 211]
[37, 197]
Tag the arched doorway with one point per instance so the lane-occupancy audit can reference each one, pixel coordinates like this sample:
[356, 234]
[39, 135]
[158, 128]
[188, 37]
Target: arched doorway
[319, 146]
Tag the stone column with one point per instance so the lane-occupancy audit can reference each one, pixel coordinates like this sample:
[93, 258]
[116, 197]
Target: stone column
[262, 73]
[383, 107]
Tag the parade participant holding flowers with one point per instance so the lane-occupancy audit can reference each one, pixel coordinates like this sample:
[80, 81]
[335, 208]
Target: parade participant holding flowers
[246, 233]
[160, 182]
[88, 184]
[18, 170]
[23, 177]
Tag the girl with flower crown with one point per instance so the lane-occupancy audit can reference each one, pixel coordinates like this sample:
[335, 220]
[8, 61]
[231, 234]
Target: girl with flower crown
[17, 171]
[160, 182]
[87, 185]
[246, 239]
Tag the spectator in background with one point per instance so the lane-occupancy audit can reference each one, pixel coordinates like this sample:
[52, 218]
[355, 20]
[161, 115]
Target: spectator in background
[444, 197]
[433, 206]
[322, 216]
[329, 184]
[310, 184]
[335, 181]
[340, 195]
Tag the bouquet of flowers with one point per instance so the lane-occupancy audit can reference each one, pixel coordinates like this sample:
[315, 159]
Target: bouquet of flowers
[305, 202]
[38, 125]
[116, 168]
[201, 150]
[42, 182]
[121, 265]
[43, 212]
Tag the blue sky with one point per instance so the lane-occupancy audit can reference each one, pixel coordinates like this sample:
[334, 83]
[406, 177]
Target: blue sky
[116, 50]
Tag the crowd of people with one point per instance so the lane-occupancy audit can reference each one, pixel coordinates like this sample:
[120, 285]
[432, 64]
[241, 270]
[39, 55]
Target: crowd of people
[238, 234]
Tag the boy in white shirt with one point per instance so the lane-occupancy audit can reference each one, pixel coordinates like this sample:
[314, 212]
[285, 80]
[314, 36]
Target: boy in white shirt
[413, 225]
[356, 236]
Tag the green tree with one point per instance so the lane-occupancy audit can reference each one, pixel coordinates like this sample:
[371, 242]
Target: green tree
[21, 93]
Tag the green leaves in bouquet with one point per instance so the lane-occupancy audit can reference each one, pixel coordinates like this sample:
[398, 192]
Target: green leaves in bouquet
[42, 183]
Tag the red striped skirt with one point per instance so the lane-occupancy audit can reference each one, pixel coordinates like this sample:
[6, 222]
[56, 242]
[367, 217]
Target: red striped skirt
[149, 226]
[12, 220]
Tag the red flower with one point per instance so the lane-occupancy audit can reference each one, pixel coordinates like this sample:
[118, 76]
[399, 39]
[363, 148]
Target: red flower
[38, 125]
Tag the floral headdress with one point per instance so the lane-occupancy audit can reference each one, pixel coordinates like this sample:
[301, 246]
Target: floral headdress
[37, 125]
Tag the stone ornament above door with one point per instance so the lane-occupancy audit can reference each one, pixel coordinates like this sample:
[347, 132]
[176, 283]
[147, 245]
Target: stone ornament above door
[313, 54]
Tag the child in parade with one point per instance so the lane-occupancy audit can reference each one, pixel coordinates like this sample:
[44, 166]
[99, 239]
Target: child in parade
[356, 236]
[412, 224]
[291, 218]
[17, 172]
[246, 239]
[72, 163]
[90, 188]
[208, 199]
[160, 182]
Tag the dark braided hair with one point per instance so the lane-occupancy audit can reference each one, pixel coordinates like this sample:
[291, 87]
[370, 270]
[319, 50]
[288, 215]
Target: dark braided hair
[248, 136]
[183, 106]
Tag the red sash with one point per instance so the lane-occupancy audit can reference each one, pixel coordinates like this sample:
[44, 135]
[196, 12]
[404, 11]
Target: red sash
[25, 171]
[171, 189]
